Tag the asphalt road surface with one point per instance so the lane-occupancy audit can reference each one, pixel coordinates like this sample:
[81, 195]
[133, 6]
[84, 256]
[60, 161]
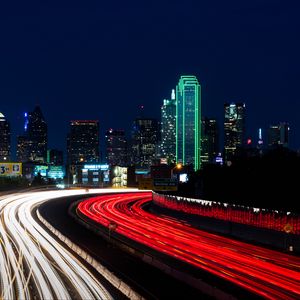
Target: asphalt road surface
[145, 279]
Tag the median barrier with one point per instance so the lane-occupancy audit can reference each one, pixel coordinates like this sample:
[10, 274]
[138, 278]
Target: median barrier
[147, 259]
[261, 226]
[110, 277]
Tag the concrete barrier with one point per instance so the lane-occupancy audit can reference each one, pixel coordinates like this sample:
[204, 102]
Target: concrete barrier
[288, 242]
[113, 279]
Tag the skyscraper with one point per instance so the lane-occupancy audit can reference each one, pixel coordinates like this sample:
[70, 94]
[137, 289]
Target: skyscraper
[145, 137]
[4, 139]
[116, 147]
[188, 121]
[209, 140]
[278, 135]
[168, 128]
[32, 146]
[234, 128]
[23, 148]
[83, 142]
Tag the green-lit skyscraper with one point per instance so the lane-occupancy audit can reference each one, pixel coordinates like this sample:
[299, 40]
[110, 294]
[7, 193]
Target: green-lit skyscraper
[188, 121]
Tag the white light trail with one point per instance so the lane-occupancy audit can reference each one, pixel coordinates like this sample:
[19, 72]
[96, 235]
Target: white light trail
[32, 263]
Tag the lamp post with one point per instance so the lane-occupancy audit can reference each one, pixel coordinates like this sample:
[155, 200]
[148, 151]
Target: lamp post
[178, 166]
[73, 170]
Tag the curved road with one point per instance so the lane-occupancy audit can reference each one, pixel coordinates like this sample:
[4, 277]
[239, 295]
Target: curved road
[33, 265]
[267, 273]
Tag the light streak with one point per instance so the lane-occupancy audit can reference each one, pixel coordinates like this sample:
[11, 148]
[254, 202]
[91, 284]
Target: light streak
[268, 273]
[32, 263]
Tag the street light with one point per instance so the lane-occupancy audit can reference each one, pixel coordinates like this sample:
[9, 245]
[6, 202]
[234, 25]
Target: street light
[178, 166]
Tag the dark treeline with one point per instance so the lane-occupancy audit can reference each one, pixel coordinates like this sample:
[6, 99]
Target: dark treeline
[13, 183]
[268, 181]
[20, 183]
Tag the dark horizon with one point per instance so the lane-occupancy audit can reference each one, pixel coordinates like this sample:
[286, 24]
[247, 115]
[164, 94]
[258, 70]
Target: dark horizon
[102, 61]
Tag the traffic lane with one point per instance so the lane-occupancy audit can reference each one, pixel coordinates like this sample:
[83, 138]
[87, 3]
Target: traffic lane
[37, 265]
[235, 261]
[136, 273]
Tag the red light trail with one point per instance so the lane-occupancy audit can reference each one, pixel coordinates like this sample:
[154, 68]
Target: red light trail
[268, 273]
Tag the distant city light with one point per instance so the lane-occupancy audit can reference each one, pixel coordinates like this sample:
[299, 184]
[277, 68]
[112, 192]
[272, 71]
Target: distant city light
[164, 161]
[173, 95]
[26, 121]
[260, 134]
[183, 177]
[96, 167]
[60, 186]
[219, 159]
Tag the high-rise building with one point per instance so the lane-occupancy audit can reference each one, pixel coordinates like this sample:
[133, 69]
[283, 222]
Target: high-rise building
[145, 137]
[209, 140]
[32, 146]
[4, 139]
[55, 157]
[23, 148]
[188, 121]
[234, 128]
[168, 128]
[83, 142]
[278, 135]
[116, 147]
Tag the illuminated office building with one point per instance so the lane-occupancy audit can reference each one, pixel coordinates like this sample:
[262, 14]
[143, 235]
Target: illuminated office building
[234, 128]
[116, 147]
[32, 145]
[188, 121]
[83, 142]
[168, 129]
[23, 148]
[4, 139]
[145, 137]
[209, 140]
[278, 135]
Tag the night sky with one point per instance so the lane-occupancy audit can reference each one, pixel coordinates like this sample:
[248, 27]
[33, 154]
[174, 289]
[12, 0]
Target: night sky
[102, 59]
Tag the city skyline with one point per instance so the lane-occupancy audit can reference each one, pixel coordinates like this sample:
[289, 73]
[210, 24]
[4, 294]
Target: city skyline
[94, 62]
[260, 136]
[60, 143]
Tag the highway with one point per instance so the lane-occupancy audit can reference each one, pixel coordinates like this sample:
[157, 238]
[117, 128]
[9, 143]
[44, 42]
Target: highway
[33, 264]
[264, 272]
[147, 280]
